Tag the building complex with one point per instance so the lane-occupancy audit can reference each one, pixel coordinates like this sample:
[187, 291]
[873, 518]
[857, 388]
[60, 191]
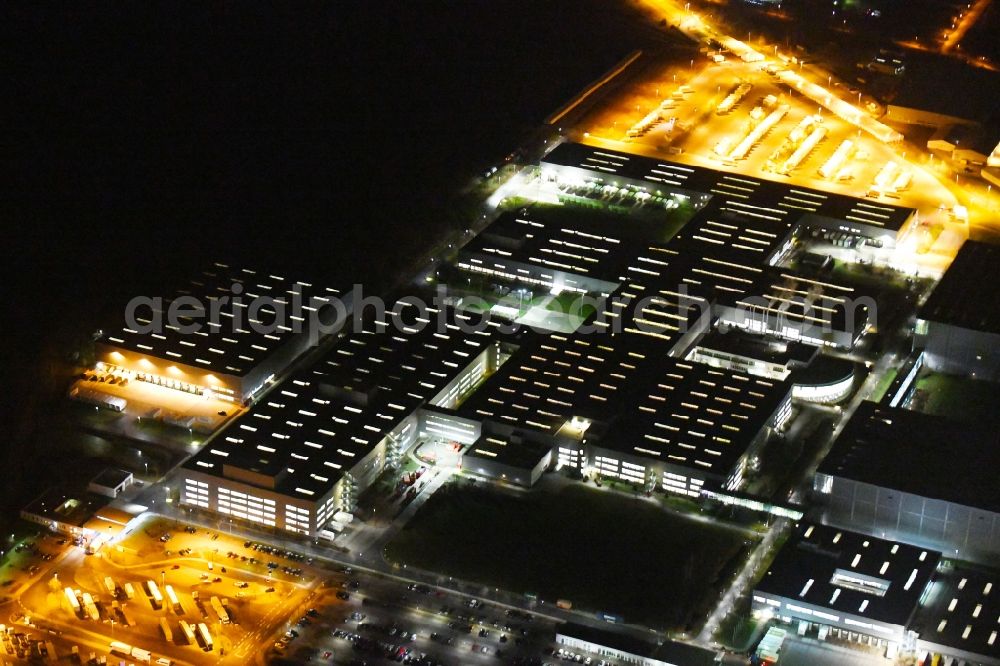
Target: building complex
[627, 392]
[958, 328]
[917, 478]
[225, 334]
[882, 593]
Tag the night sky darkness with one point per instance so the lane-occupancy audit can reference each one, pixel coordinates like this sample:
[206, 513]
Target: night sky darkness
[142, 141]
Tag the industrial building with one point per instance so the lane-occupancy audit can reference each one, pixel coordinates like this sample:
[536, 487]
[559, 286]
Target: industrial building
[548, 252]
[915, 478]
[959, 615]
[695, 425]
[958, 327]
[826, 578]
[629, 650]
[516, 460]
[783, 304]
[224, 334]
[111, 482]
[753, 355]
[622, 399]
[305, 452]
[831, 583]
[771, 203]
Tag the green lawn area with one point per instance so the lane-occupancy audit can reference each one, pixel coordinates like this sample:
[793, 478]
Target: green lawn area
[738, 629]
[884, 384]
[958, 397]
[603, 552]
[568, 302]
[676, 219]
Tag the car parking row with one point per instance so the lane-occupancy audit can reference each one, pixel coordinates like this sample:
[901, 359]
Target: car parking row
[277, 552]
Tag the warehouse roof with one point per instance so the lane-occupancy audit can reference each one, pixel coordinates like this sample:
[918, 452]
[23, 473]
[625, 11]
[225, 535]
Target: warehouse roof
[785, 297]
[307, 433]
[568, 241]
[962, 611]
[670, 653]
[521, 454]
[555, 377]
[697, 416]
[237, 318]
[850, 574]
[734, 192]
[895, 448]
[968, 295]
[738, 343]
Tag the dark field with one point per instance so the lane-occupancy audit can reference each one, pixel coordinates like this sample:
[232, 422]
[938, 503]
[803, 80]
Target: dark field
[603, 552]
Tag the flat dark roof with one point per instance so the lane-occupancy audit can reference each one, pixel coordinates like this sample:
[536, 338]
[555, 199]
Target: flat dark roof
[850, 573]
[568, 238]
[670, 652]
[824, 369]
[521, 454]
[111, 478]
[922, 454]
[738, 343]
[786, 296]
[734, 193]
[243, 337]
[65, 507]
[968, 296]
[693, 415]
[324, 419]
[962, 610]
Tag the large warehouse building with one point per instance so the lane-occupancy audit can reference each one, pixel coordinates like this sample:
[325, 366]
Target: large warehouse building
[619, 398]
[225, 334]
[804, 207]
[306, 450]
[915, 478]
[828, 577]
[829, 583]
[959, 326]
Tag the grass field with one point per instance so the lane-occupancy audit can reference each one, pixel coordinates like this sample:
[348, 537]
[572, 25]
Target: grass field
[958, 397]
[884, 384]
[603, 552]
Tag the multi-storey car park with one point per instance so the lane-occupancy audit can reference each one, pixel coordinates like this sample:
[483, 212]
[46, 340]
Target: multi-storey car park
[224, 334]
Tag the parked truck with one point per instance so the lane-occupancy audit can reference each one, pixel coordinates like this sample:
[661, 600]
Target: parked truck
[204, 637]
[188, 631]
[155, 598]
[141, 656]
[220, 611]
[74, 603]
[90, 607]
[168, 635]
[175, 603]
